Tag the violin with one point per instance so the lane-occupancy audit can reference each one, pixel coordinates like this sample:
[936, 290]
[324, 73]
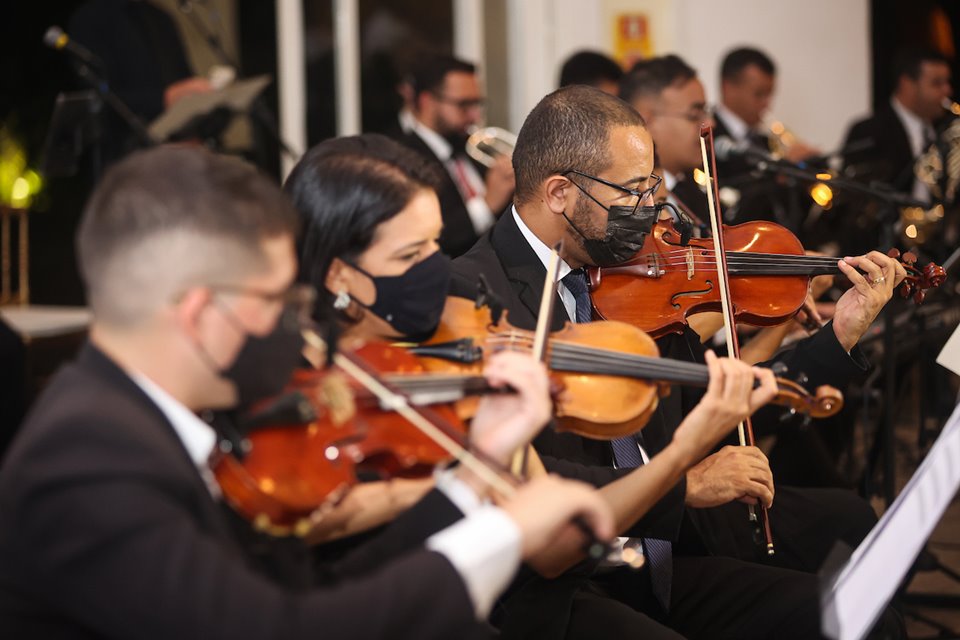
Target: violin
[287, 477]
[302, 450]
[669, 280]
[610, 373]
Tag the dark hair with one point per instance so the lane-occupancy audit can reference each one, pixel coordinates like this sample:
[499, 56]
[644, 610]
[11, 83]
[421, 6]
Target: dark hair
[344, 188]
[196, 195]
[739, 59]
[429, 71]
[590, 68]
[568, 129]
[908, 62]
[650, 77]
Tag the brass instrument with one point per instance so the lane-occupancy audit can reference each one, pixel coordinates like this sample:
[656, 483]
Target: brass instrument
[487, 143]
[937, 167]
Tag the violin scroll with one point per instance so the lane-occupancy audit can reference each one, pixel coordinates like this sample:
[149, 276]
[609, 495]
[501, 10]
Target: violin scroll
[917, 281]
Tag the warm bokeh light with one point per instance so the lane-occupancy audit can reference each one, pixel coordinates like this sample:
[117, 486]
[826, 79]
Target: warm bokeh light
[699, 177]
[822, 195]
[910, 231]
[18, 184]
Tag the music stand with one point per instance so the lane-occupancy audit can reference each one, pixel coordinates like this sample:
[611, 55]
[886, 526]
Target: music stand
[74, 126]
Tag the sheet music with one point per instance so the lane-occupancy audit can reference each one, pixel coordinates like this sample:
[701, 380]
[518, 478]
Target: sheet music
[236, 97]
[949, 357]
[856, 597]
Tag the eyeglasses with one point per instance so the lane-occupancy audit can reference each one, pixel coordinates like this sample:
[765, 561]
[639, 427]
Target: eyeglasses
[642, 195]
[695, 114]
[297, 301]
[463, 105]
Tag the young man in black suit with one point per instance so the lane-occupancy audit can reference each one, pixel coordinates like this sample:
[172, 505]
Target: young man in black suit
[580, 180]
[111, 520]
[447, 103]
[886, 145]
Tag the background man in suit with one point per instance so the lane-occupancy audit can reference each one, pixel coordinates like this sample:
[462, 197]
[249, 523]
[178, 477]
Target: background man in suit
[886, 145]
[447, 104]
[110, 515]
[575, 178]
[747, 85]
[593, 69]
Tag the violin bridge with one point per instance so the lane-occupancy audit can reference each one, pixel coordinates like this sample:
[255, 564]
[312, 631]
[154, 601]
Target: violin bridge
[689, 259]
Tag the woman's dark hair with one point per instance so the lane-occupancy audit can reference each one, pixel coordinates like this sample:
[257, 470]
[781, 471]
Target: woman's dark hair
[344, 188]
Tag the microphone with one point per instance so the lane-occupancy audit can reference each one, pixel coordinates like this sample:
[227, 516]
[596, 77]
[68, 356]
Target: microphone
[55, 38]
[727, 148]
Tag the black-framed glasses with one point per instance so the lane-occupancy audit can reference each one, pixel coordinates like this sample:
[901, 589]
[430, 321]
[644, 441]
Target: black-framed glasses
[297, 301]
[641, 195]
[463, 105]
[695, 114]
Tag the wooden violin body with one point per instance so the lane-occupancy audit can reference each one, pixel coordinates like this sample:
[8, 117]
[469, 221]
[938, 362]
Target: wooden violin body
[302, 450]
[610, 373]
[769, 277]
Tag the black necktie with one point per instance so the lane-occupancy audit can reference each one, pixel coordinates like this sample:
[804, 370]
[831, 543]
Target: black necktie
[626, 453]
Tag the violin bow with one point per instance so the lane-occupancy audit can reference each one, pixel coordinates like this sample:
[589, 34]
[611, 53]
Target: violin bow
[745, 428]
[540, 336]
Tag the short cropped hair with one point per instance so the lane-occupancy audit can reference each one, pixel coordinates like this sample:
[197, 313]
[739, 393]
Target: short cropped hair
[648, 78]
[170, 218]
[739, 59]
[568, 129]
[429, 71]
[908, 62]
[589, 68]
[343, 189]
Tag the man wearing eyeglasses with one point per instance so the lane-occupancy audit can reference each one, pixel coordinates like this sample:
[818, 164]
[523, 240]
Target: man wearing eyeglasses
[584, 167]
[447, 105]
[112, 523]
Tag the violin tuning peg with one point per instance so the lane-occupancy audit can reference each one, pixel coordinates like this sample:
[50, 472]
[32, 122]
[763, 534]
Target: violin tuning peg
[910, 257]
[894, 253]
[919, 296]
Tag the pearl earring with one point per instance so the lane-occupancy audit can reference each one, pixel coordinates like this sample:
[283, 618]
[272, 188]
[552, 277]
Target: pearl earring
[342, 301]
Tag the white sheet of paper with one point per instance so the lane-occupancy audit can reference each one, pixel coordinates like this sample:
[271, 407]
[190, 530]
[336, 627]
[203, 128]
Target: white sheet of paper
[867, 582]
[236, 97]
[950, 354]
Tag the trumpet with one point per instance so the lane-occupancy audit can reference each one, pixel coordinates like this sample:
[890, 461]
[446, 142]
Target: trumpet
[486, 143]
[781, 139]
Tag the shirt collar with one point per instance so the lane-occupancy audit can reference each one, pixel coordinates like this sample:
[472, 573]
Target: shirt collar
[739, 130]
[913, 124]
[440, 147]
[538, 246]
[197, 436]
[669, 180]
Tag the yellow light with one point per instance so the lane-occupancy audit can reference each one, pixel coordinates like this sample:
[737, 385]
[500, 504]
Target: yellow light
[824, 176]
[34, 180]
[20, 193]
[777, 128]
[699, 177]
[911, 231]
[822, 195]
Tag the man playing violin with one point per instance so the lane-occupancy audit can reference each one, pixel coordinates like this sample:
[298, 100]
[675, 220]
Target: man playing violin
[111, 522]
[581, 180]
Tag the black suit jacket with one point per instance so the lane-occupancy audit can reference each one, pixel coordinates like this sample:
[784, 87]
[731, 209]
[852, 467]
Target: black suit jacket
[881, 150]
[458, 234]
[516, 275]
[108, 530]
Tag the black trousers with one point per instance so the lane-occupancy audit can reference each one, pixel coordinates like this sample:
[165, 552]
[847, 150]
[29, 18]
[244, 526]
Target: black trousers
[714, 598]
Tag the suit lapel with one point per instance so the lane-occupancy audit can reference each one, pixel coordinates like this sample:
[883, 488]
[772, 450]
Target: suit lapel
[524, 271]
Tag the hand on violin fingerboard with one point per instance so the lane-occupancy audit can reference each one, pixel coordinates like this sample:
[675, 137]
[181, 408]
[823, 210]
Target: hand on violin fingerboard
[859, 306]
[730, 398]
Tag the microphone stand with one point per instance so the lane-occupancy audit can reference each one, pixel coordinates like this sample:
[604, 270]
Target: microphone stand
[99, 83]
[258, 109]
[889, 201]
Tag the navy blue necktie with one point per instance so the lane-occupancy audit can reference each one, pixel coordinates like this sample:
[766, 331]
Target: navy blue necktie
[626, 453]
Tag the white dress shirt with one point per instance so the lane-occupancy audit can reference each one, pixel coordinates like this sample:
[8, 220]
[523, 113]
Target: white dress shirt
[543, 253]
[483, 547]
[480, 215]
[917, 131]
[739, 130]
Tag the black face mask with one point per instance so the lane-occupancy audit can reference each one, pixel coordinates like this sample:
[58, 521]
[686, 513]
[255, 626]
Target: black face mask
[412, 302]
[265, 363]
[627, 228]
